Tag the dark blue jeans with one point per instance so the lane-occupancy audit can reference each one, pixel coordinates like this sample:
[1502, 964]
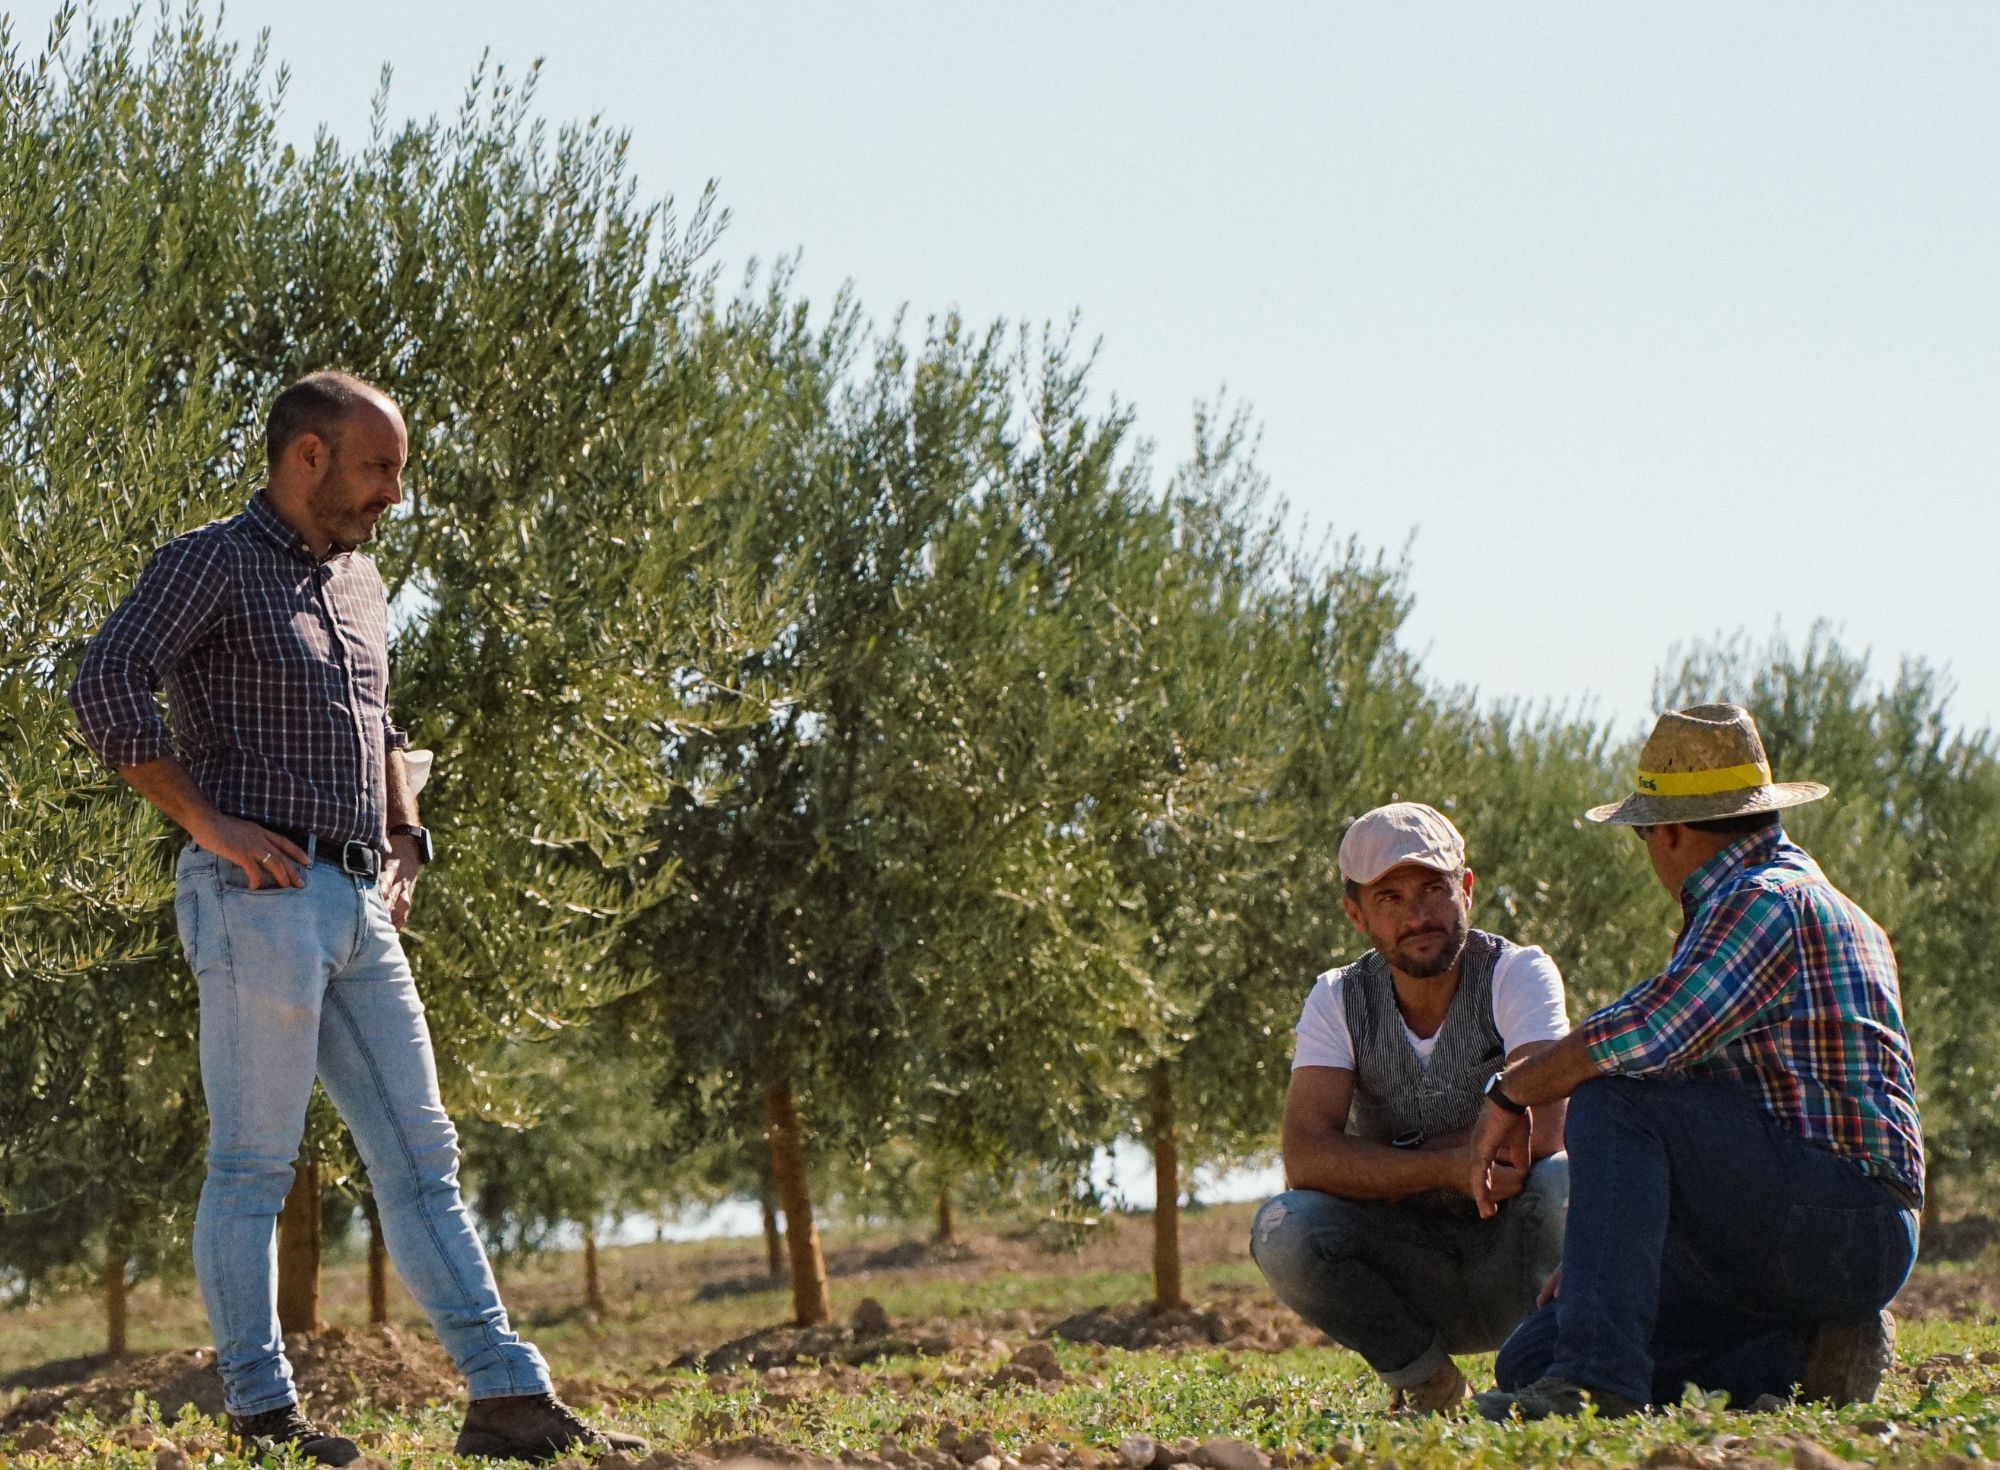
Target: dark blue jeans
[1705, 1238]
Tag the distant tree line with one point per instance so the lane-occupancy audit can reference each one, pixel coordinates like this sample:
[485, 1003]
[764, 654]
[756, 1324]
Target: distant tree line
[862, 771]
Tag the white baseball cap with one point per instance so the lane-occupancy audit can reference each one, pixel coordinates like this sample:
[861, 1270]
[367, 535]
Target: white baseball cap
[1401, 832]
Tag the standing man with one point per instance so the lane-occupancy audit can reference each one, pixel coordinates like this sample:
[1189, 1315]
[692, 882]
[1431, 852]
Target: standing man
[269, 632]
[1375, 1241]
[1746, 1161]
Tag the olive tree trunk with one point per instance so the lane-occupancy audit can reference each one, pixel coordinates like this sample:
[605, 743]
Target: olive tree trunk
[593, 1282]
[811, 1302]
[1166, 1192]
[117, 1255]
[774, 1244]
[378, 1263]
[299, 1253]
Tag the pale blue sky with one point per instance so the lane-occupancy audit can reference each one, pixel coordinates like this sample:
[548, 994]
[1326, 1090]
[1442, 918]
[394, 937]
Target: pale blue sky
[1649, 323]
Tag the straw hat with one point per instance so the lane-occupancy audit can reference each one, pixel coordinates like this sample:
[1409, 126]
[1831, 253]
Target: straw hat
[1700, 764]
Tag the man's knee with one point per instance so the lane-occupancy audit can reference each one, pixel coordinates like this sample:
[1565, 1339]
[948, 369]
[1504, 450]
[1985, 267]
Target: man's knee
[246, 1183]
[1275, 1225]
[1608, 1103]
[1291, 1231]
[1548, 1183]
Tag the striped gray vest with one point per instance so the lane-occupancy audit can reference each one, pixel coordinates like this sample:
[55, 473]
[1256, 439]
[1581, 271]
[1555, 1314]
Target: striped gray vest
[1396, 1095]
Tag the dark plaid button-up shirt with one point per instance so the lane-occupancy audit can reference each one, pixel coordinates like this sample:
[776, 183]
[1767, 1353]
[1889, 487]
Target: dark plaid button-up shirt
[276, 667]
[1781, 980]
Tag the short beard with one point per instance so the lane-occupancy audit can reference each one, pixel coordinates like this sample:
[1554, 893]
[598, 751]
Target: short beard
[348, 524]
[1447, 957]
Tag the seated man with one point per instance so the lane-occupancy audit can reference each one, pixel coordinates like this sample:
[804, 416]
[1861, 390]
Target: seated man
[1744, 1145]
[1376, 1241]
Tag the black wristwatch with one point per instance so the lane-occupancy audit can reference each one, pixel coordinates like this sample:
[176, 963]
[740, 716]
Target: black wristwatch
[1494, 1093]
[422, 834]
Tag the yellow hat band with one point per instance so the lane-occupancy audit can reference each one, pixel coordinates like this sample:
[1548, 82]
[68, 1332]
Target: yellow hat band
[1703, 783]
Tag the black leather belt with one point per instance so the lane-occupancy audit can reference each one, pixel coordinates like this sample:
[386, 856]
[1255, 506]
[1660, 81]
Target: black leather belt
[357, 859]
[1901, 1192]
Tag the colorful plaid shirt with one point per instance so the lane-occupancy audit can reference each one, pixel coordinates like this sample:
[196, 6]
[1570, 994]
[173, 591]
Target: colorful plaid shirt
[1780, 979]
[276, 667]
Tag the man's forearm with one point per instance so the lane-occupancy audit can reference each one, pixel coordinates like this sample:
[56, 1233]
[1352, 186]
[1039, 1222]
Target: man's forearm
[1551, 1074]
[1352, 1168]
[167, 785]
[402, 807]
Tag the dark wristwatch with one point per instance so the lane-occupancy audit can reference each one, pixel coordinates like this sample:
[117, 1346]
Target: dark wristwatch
[422, 834]
[1494, 1093]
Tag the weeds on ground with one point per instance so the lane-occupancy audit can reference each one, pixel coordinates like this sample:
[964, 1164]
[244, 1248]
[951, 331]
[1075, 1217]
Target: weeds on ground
[1308, 1406]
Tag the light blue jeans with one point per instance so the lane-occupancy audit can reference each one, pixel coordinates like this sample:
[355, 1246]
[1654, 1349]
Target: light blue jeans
[1405, 1286]
[304, 982]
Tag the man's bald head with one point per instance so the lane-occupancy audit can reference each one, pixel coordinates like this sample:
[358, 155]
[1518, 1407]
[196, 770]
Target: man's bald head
[318, 404]
[338, 446]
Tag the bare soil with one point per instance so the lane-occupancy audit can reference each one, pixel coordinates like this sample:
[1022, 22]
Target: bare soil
[334, 1371]
[1242, 1319]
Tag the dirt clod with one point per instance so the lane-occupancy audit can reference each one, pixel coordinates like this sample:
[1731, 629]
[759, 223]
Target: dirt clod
[1808, 1455]
[1239, 1319]
[775, 1348]
[974, 1447]
[1039, 1359]
[334, 1371]
[1230, 1454]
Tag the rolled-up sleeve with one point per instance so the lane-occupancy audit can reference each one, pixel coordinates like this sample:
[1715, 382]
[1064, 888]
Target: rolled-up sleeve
[1730, 972]
[176, 600]
[393, 736]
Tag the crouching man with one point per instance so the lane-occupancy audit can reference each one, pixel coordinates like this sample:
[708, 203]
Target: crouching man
[1376, 1240]
[1748, 1158]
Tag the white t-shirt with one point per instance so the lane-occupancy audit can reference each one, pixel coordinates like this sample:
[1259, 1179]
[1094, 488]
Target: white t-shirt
[1527, 1006]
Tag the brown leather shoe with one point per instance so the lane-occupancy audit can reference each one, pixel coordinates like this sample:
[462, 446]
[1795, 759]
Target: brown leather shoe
[256, 1435]
[1440, 1393]
[535, 1427]
[1845, 1361]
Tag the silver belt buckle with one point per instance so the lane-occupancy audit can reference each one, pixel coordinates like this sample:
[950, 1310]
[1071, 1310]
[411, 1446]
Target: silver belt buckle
[359, 859]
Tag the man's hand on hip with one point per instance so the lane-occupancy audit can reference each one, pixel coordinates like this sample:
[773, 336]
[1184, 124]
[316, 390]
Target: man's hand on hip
[263, 855]
[399, 877]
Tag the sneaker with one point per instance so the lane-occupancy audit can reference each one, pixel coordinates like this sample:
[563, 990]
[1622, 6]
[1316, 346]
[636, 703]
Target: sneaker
[535, 1427]
[1440, 1393]
[1845, 1361]
[1551, 1398]
[256, 1435]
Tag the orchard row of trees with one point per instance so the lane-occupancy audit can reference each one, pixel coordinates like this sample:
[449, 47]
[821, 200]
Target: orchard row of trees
[860, 767]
